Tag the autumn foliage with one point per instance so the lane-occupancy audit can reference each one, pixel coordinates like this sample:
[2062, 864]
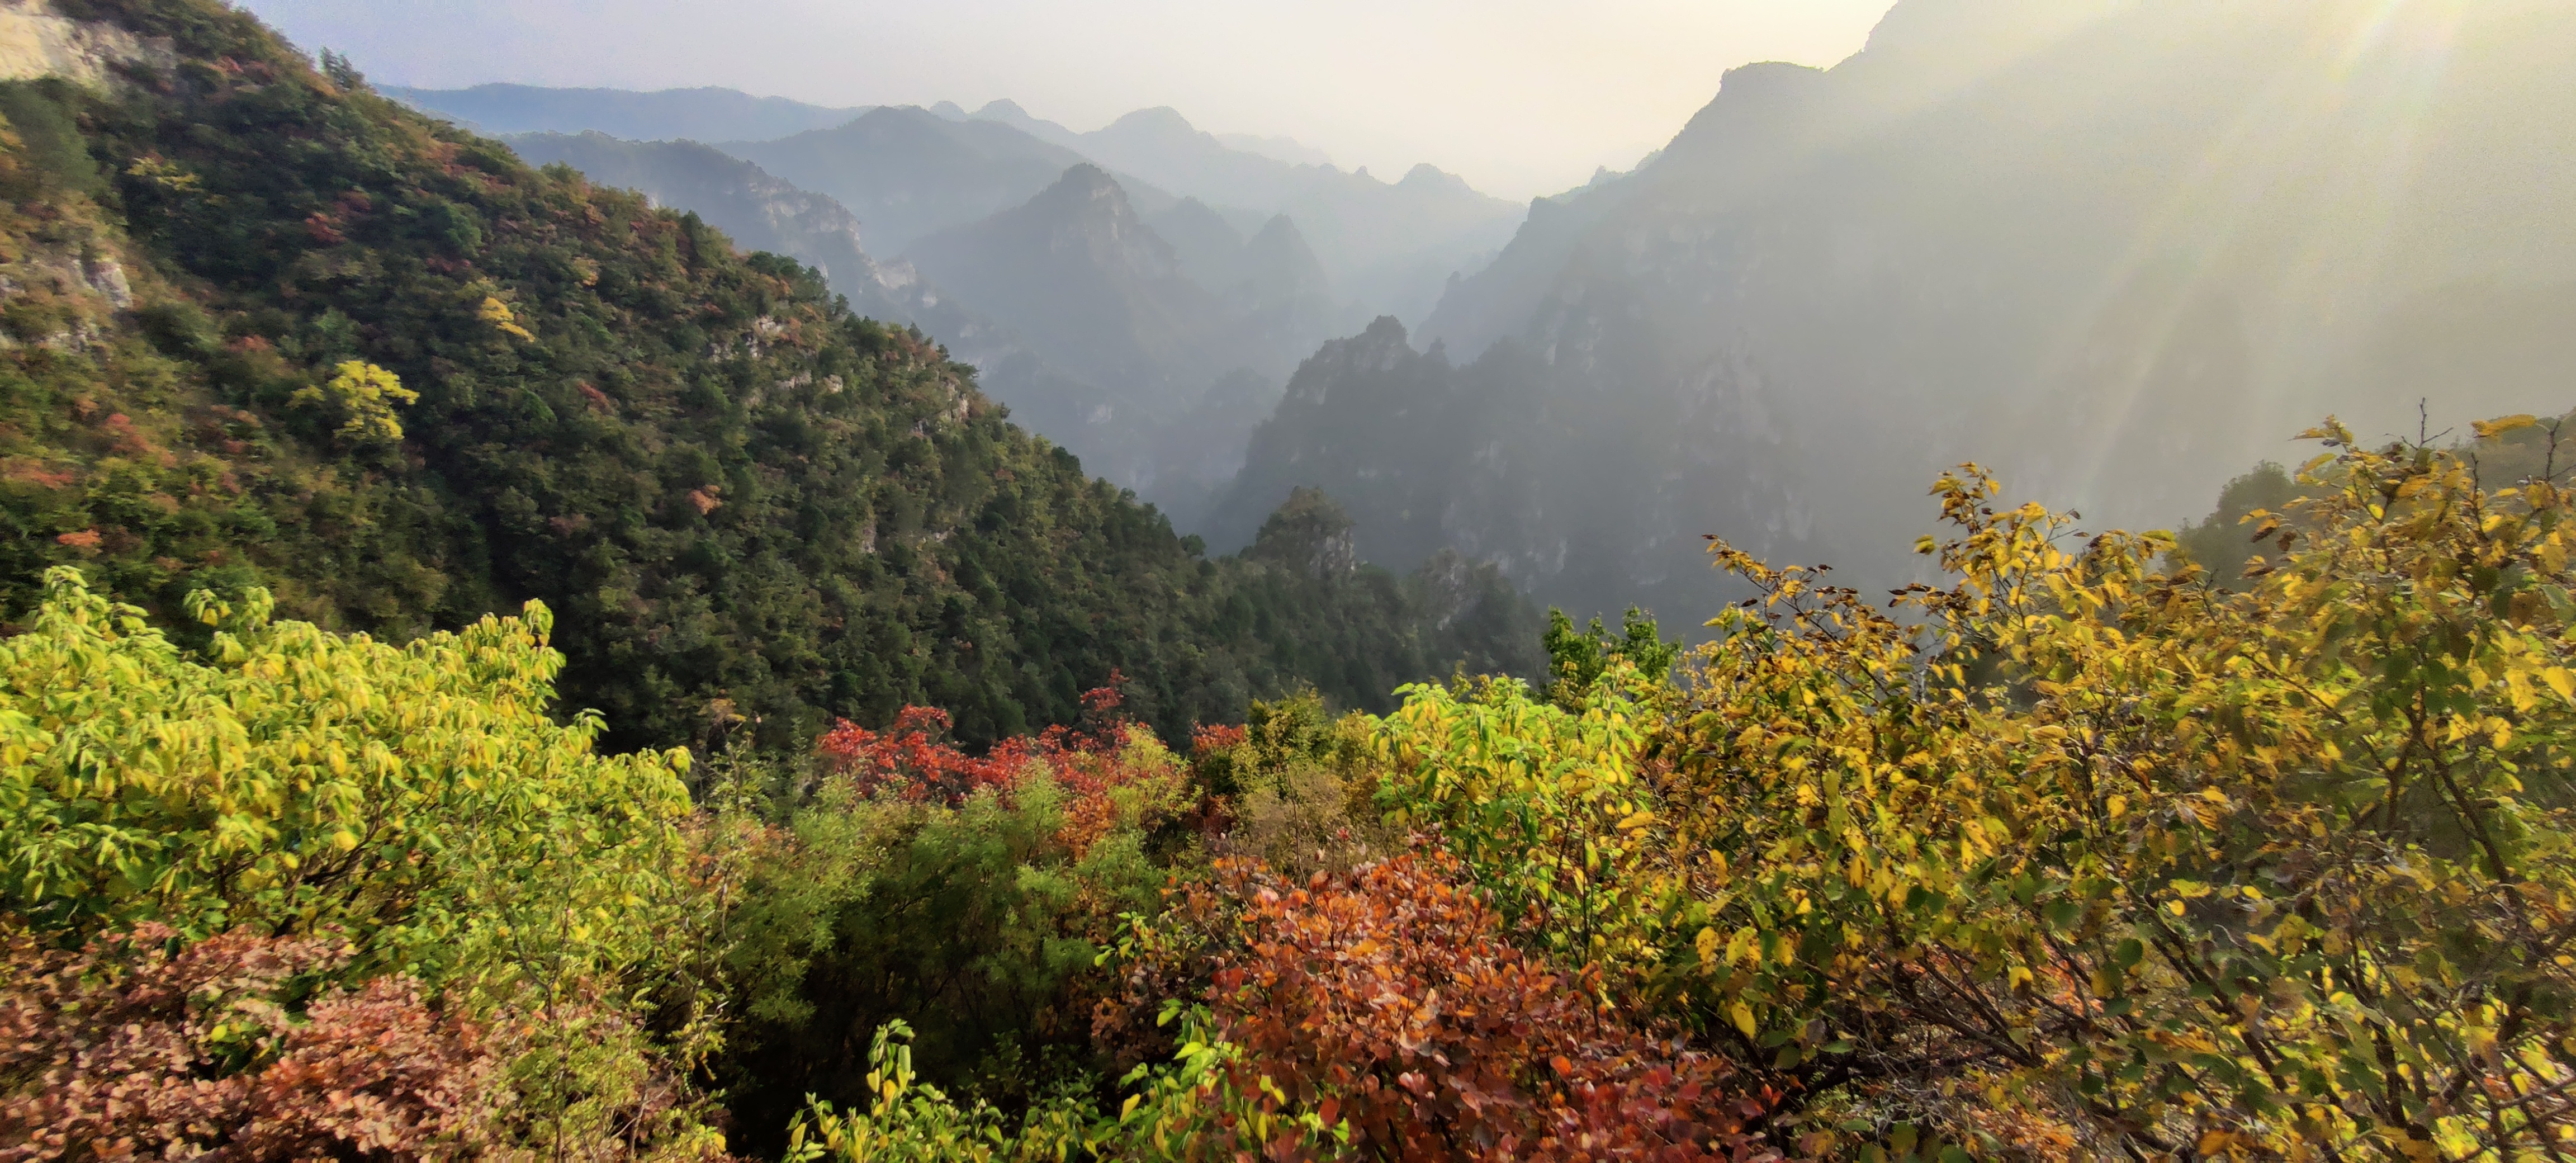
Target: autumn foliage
[1389, 1005]
[914, 761]
[2083, 854]
[125, 1049]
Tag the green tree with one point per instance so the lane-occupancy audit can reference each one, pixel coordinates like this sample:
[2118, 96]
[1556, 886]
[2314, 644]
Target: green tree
[417, 799]
[1577, 657]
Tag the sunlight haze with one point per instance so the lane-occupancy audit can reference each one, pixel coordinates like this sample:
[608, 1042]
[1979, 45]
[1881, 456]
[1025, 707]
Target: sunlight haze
[1520, 98]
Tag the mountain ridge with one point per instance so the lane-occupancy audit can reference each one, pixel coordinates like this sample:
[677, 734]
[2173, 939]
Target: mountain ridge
[2112, 253]
[706, 113]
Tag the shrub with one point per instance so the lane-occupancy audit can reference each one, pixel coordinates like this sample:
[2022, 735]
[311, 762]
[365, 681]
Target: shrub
[1548, 810]
[417, 799]
[968, 897]
[126, 1049]
[1387, 1007]
[2084, 858]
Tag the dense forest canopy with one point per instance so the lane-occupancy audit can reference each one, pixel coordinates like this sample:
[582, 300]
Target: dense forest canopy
[495, 673]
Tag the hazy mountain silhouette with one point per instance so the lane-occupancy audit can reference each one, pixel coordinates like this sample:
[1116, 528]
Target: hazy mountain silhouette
[1114, 349]
[1392, 246]
[695, 114]
[1208, 246]
[759, 212]
[908, 172]
[2114, 252]
[1286, 149]
[1076, 270]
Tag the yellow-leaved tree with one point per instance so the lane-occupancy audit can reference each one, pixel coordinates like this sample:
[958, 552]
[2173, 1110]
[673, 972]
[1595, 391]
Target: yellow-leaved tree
[2084, 857]
[363, 396]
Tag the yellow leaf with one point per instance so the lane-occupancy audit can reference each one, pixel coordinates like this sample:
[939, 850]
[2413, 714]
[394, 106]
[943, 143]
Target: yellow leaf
[2489, 429]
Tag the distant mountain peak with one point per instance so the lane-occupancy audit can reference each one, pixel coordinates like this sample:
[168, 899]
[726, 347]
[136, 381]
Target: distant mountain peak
[1279, 254]
[1010, 113]
[1278, 238]
[1383, 331]
[1086, 181]
[1159, 119]
[1424, 175]
[1087, 209]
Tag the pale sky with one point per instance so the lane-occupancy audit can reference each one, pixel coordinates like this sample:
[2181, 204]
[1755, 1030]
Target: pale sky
[1523, 97]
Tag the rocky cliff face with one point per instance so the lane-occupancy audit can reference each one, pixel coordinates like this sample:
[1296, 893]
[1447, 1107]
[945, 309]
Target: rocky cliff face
[2116, 252]
[38, 41]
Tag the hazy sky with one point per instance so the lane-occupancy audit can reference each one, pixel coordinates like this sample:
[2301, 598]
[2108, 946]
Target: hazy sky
[1521, 96]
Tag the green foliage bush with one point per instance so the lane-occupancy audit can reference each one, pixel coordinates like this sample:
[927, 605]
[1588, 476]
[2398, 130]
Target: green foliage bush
[417, 799]
[978, 925]
[226, 833]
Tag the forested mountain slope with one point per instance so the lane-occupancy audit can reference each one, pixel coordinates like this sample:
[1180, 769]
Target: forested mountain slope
[2112, 251]
[267, 327]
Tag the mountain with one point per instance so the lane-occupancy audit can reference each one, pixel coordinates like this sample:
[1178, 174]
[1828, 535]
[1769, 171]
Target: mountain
[1286, 149]
[758, 212]
[693, 114]
[1108, 342]
[1076, 271]
[1280, 297]
[1380, 421]
[1009, 113]
[1391, 246]
[1207, 246]
[2112, 252]
[1155, 381]
[268, 328]
[908, 172]
[911, 171]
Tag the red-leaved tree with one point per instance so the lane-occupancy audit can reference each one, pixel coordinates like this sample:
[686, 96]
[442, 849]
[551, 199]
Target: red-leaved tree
[914, 760]
[1386, 1000]
[127, 1050]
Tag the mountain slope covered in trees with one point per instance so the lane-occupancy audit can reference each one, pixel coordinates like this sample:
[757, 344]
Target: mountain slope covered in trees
[271, 328]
